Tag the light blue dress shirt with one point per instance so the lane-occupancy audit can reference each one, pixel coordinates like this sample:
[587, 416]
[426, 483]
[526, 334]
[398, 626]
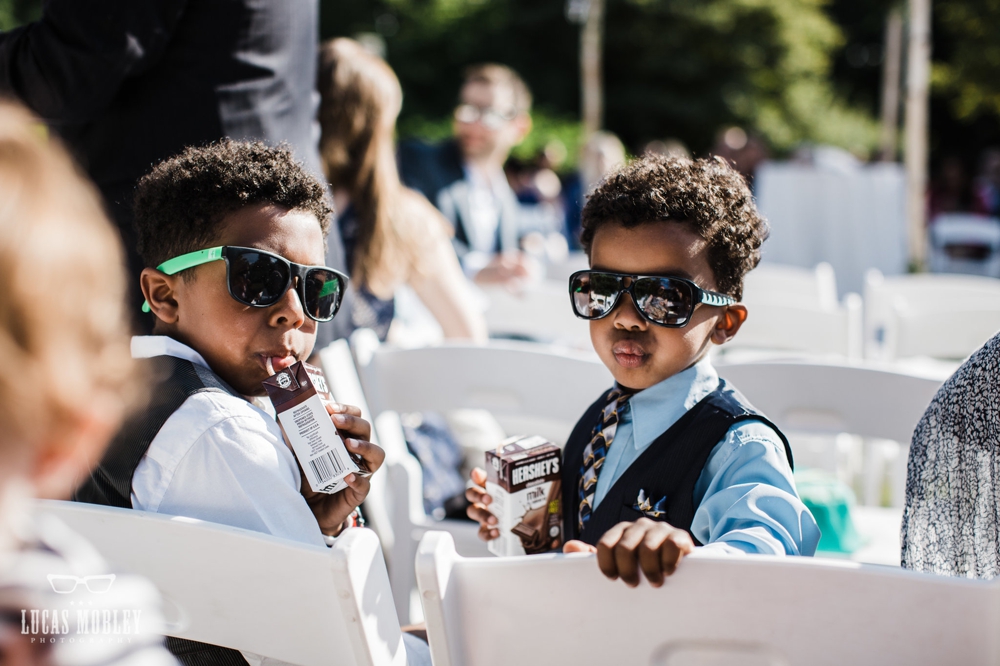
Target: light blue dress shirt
[745, 497]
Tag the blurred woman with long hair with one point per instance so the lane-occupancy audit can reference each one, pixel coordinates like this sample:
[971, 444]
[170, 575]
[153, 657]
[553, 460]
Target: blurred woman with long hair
[392, 234]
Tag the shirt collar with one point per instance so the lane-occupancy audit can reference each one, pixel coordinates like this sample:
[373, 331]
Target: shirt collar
[148, 346]
[653, 410]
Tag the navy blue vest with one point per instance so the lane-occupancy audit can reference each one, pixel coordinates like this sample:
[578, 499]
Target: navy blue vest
[668, 468]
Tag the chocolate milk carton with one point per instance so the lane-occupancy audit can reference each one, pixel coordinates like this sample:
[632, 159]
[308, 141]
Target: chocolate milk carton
[297, 393]
[524, 478]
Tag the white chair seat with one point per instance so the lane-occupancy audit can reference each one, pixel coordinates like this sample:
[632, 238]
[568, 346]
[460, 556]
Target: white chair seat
[248, 591]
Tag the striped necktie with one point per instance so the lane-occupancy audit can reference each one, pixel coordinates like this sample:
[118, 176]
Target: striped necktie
[596, 450]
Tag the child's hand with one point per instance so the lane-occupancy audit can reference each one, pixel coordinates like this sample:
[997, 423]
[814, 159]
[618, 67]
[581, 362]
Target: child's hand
[478, 499]
[653, 546]
[332, 510]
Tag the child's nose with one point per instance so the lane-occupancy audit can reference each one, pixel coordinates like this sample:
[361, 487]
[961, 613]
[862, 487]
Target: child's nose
[626, 315]
[289, 310]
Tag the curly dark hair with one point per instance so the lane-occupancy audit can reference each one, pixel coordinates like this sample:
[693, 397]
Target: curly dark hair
[180, 204]
[706, 194]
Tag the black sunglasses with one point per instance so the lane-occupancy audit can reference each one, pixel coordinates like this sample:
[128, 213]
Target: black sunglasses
[259, 279]
[664, 301]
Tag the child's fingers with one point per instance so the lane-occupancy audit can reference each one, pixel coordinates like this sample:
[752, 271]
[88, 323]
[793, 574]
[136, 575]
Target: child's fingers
[481, 515]
[677, 545]
[626, 558]
[606, 550]
[373, 454]
[653, 556]
[355, 426]
[477, 495]
[338, 408]
[487, 533]
[360, 486]
[479, 476]
[576, 546]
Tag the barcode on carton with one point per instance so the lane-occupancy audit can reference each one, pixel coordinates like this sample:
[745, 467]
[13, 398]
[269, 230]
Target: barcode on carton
[326, 466]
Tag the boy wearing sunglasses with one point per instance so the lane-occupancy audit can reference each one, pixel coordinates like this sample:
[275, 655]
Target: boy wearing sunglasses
[236, 233]
[671, 457]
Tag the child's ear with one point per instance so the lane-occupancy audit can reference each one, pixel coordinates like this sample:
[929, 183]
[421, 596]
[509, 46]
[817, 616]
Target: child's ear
[729, 323]
[158, 289]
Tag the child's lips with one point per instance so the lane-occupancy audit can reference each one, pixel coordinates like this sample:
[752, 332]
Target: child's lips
[274, 363]
[629, 354]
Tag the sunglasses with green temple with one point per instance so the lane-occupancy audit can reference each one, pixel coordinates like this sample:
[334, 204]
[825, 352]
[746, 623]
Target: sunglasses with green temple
[259, 279]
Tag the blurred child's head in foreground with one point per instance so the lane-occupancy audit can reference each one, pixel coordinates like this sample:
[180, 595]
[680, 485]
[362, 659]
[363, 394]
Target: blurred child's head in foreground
[68, 376]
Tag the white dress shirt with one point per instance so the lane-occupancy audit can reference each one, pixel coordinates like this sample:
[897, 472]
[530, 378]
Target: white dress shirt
[222, 459]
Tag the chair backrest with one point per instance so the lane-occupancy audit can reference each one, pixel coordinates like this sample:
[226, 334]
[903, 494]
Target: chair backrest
[778, 283]
[529, 388]
[797, 309]
[716, 609]
[345, 387]
[542, 312]
[802, 328]
[944, 316]
[869, 401]
[226, 586]
[965, 229]
[559, 272]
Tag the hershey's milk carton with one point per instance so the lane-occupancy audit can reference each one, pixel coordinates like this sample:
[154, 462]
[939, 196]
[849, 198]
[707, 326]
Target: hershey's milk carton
[524, 478]
[297, 393]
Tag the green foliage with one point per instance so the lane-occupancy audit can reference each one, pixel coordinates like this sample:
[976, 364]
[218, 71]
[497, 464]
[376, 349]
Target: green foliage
[14, 13]
[970, 72]
[548, 128]
[673, 68]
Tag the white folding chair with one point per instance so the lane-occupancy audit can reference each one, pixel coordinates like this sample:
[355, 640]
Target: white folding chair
[253, 592]
[873, 402]
[716, 609]
[797, 310]
[949, 232]
[941, 316]
[542, 312]
[828, 397]
[345, 387]
[559, 272]
[529, 388]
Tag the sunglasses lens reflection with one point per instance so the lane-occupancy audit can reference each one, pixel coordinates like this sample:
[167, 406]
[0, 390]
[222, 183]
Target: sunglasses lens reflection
[257, 279]
[323, 294]
[594, 294]
[664, 300]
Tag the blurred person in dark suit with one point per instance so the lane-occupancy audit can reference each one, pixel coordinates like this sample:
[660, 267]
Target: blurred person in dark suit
[464, 177]
[127, 84]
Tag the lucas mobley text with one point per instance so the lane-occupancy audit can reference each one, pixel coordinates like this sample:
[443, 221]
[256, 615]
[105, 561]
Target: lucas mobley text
[90, 626]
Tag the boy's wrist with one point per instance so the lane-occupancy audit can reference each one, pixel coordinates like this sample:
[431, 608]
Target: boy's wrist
[353, 519]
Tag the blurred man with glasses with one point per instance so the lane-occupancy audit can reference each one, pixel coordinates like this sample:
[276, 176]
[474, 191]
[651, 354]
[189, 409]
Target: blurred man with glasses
[464, 177]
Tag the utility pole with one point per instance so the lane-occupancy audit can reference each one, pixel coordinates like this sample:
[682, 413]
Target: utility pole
[918, 67]
[590, 15]
[890, 85]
